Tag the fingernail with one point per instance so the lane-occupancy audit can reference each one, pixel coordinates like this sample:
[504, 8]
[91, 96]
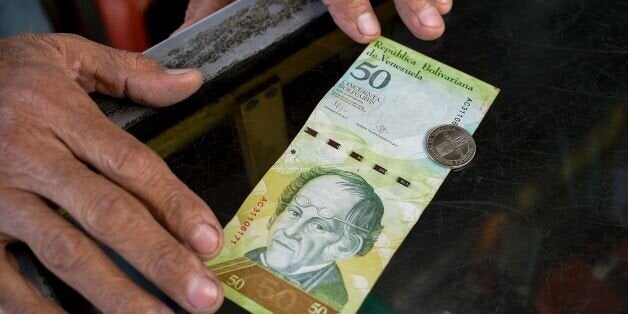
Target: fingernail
[205, 239]
[430, 17]
[178, 71]
[202, 292]
[367, 24]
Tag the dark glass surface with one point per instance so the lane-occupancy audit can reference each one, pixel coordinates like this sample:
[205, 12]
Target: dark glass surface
[539, 220]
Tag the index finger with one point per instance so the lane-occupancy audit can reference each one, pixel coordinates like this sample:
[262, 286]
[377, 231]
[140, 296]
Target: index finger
[129, 163]
[120, 221]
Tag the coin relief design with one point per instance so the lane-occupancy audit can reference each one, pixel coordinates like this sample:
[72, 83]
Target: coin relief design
[450, 146]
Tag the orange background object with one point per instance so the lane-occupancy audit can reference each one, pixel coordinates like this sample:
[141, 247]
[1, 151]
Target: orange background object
[123, 21]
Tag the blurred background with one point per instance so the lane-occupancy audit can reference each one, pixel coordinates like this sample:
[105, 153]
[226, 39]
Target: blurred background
[133, 25]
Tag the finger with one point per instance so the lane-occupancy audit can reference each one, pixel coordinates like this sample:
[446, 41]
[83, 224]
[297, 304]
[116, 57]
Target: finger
[72, 256]
[443, 6]
[94, 139]
[121, 73]
[107, 211]
[422, 17]
[129, 163]
[120, 221]
[199, 9]
[356, 18]
[17, 294]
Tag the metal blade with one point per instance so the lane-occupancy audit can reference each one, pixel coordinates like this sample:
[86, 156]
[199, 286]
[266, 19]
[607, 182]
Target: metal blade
[221, 40]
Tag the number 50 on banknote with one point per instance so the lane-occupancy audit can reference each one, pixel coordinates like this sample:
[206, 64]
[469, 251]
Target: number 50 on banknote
[319, 228]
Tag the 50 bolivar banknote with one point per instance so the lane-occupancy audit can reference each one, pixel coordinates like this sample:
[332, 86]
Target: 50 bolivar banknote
[319, 228]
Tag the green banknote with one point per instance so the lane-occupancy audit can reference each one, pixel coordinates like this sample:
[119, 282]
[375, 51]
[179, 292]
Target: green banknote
[319, 228]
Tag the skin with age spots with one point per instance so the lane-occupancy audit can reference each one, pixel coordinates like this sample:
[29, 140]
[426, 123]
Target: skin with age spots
[52, 136]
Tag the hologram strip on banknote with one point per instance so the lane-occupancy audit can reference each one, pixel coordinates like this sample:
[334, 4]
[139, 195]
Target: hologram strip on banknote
[319, 228]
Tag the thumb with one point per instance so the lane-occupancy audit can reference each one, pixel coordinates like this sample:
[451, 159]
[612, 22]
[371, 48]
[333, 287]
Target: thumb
[423, 17]
[122, 73]
[356, 18]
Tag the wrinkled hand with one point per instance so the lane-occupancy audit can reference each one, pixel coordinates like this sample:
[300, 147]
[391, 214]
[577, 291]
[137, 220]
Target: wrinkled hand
[51, 137]
[356, 17]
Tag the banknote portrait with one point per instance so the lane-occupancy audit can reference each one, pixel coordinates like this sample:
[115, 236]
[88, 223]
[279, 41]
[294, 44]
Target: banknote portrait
[324, 215]
[313, 235]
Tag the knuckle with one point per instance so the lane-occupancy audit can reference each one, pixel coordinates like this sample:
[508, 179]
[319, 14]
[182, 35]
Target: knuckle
[55, 41]
[137, 60]
[129, 162]
[109, 215]
[65, 249]
[181, 210]
[118, 297]
[66, 43]
[133, 58]
[169, 264]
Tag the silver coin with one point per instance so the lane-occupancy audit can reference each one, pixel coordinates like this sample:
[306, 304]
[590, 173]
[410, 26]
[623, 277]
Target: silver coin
[450, 146]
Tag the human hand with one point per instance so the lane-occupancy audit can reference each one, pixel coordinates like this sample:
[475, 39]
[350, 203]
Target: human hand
[51, 137]
[356, 17]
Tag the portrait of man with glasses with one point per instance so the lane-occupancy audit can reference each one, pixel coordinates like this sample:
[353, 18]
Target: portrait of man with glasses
[324, 215]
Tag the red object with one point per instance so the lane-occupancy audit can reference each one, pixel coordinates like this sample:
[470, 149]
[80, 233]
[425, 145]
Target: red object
[124, 23]
[572, 289]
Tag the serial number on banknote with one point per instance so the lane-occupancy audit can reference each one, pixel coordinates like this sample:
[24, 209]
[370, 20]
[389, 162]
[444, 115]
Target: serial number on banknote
[462, 111]
[246, 224]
